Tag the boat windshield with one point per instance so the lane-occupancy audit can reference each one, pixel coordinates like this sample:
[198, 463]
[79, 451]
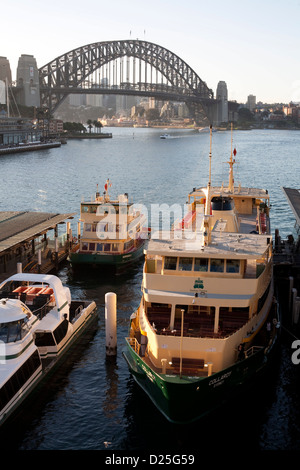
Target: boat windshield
[13, 331]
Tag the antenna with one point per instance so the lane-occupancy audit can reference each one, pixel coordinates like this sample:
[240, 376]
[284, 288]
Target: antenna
[7, 97]
[207, 205]
[8, 102]
[210, 146]
[231, 163]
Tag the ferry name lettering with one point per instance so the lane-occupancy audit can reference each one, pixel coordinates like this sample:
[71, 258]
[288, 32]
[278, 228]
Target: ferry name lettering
[219, 380]
[148, 373]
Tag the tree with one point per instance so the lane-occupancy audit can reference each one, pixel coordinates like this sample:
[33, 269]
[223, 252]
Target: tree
[74, 127]
[152, 114]
[98, 125]
[245, 115]
[89, 123]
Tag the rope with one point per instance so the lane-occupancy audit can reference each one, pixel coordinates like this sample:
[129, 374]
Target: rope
[289, 332]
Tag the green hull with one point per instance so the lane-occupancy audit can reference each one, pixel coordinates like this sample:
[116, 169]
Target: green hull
[186, 399]
[107, 259]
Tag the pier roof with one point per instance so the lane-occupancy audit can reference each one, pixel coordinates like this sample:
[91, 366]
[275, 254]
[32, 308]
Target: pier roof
[293, 197]
[19, 227]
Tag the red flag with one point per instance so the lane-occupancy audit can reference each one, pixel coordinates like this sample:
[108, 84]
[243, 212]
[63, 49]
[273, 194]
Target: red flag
[234, 152]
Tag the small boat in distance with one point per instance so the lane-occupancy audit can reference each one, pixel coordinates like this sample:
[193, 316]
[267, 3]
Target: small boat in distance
[165, 136]
[206, 130]
[208, 321]
[114, 232]
[39, 322]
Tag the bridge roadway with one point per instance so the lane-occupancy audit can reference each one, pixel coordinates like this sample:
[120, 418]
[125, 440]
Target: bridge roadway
[133, 90]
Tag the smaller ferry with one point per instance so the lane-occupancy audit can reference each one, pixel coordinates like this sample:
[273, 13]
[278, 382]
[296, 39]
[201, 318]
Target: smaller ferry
[38, 324]
[114, 231]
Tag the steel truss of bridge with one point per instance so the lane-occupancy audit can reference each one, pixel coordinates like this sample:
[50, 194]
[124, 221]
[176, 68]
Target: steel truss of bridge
[128, 67]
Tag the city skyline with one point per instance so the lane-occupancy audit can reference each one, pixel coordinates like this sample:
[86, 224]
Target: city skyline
[252, 46]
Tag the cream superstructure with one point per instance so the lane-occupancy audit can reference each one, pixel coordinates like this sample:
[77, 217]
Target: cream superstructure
[207, 286]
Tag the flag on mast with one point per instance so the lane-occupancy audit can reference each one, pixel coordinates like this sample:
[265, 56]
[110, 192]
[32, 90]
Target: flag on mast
[107, 185]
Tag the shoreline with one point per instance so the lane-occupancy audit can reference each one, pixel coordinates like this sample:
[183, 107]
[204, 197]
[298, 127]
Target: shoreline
[28, 147]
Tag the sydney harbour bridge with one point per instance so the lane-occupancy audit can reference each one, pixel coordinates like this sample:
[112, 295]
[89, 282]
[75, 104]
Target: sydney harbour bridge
[126, 67]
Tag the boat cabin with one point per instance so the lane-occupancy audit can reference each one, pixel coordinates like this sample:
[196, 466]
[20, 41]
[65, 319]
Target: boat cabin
[14, 320]
[199, 279]
[111, 227]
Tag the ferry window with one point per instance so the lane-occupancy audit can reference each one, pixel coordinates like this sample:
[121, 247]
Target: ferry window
[128, 245]
[170, 262]
[88, 227]
[14, 331]
[84, 246]
[10, 332]
[3, 332]
[106, 247]
[99, 247]
[12, 386]
[44, 339]
[92, 246]
[185, 264]
[217, 265]
[114, 247]
[201, 264]
[85, 208]
[61, 331]
[232, 265]
[101, 227]
[93, 209]
[102, 210]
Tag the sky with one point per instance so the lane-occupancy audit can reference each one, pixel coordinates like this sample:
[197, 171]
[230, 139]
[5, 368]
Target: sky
[254, 46]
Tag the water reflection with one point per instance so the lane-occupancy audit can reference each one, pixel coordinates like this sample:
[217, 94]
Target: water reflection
[110, 402]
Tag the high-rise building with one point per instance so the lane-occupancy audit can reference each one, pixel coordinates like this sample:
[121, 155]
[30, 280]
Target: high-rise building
[28, 79]
[5, 71]
[251, 102]
[222, 105]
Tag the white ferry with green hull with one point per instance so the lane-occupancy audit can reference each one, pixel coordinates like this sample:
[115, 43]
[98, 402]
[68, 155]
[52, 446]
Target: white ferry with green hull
[208, 321]
[114, 232]
[38, 324]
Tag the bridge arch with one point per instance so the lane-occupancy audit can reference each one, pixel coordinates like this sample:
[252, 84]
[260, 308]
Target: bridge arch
[127, 67]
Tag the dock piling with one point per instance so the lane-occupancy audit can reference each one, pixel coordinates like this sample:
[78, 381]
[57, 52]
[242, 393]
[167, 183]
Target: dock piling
[111, 323]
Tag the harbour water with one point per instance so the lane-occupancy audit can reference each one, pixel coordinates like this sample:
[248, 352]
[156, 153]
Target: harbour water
[92, 403]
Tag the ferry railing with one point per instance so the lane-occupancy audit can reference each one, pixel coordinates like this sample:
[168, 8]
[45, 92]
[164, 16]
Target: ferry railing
[254, 349]
[40, 312]
[134, 344]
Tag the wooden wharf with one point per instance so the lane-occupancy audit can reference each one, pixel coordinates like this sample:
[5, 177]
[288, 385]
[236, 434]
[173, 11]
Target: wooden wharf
[24, 241]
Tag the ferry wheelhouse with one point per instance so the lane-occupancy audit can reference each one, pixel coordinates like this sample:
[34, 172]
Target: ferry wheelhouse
[38, 324]
[114, 231]
[207, 321]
